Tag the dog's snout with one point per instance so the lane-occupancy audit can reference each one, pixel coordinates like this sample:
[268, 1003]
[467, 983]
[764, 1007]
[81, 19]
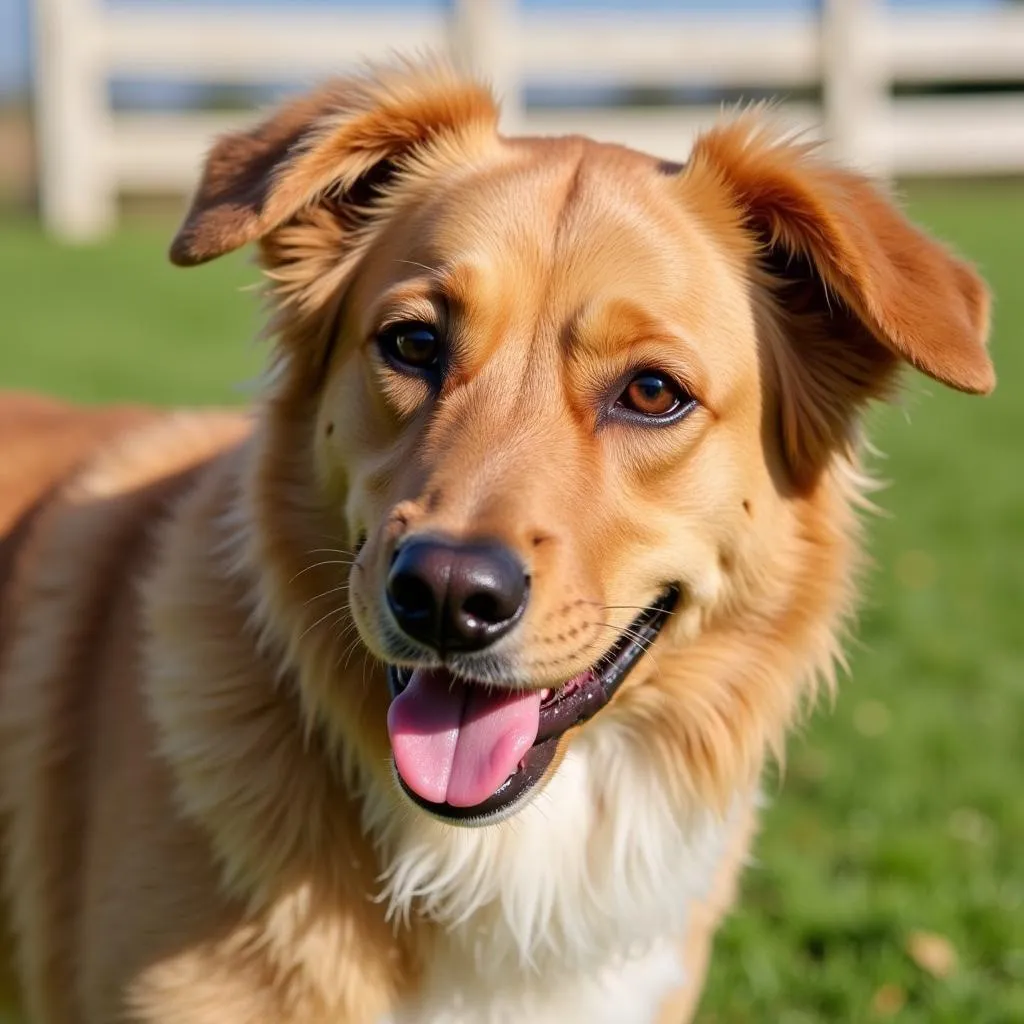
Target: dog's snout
[456, 596]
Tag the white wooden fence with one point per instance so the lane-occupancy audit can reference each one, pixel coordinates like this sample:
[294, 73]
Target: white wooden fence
[856, 50]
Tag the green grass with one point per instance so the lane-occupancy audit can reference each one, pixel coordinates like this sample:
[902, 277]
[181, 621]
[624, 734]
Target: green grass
[903, 809]
[118, 322]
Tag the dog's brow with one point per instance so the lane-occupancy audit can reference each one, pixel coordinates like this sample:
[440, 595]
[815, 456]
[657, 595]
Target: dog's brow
[463, 281]
[456, 281]
[412, 298]
[611, 325]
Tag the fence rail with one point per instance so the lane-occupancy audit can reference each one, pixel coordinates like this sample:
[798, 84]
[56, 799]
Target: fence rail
[854, 51]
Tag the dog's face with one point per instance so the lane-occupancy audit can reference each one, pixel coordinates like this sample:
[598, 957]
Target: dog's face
[545, 420]
[566, 404]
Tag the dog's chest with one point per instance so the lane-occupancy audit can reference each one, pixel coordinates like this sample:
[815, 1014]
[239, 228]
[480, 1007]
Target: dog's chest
[578, 913]
[629, 991]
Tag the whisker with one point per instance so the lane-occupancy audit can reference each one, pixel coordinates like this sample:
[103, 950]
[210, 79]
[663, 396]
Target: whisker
[643, 642]
[334, 611]
[422, 266]
[318, 565]
[625, 631]
[326, 593]
[636, 608]
[631, 607]
[350, 651]
[348, 629]
[347, 648]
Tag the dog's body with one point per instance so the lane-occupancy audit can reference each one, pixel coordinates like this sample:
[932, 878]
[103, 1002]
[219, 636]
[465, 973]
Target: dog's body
[204, 822]
[100, 842]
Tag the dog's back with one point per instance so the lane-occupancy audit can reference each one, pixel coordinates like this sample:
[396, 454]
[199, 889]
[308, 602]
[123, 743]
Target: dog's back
[43, 441]
[83, 494]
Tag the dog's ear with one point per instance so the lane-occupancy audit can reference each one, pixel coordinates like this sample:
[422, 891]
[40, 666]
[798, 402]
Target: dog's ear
[350, 133]
[858, 287]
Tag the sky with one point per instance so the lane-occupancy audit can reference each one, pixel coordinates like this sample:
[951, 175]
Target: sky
[15, 49]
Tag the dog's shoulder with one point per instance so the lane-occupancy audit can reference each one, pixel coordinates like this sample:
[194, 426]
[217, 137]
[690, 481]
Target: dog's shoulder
[82, 522]
[44, 443]
[80, 485]
[71, 475]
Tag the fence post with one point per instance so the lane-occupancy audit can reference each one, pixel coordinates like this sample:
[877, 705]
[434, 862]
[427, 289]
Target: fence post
[486, 42]
[77, 192]
[855, 82]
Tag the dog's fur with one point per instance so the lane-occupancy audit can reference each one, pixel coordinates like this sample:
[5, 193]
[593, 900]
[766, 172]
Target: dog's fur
[202, 823]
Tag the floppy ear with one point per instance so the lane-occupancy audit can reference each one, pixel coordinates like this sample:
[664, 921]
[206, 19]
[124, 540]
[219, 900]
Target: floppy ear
[858, 287]
[325, 144]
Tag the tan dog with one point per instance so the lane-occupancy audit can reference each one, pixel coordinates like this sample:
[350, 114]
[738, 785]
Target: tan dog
[440, 692]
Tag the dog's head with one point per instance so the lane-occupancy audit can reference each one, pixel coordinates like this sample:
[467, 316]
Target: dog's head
[573, 426]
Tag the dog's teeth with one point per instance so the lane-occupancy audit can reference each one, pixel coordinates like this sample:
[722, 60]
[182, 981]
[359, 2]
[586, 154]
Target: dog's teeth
[544, 694]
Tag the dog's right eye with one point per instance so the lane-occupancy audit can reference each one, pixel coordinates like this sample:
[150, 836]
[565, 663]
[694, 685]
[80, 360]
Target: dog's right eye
[411, 346]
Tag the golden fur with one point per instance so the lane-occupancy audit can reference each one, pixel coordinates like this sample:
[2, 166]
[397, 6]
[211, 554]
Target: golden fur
[202, 823]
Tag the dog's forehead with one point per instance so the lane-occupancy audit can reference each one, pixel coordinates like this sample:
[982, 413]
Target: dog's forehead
[564, 218]
[538, 190]
[564, 230]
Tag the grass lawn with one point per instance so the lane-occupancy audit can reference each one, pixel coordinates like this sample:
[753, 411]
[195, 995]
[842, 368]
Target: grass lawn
[889, 882]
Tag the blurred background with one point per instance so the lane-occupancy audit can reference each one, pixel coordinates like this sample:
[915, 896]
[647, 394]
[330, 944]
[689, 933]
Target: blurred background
[889, 880]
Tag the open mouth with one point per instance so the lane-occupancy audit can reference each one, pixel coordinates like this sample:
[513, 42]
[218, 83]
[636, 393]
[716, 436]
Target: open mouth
[471, 754]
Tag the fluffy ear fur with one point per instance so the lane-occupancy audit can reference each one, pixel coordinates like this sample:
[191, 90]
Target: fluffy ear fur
[857, 286]
[349, 132]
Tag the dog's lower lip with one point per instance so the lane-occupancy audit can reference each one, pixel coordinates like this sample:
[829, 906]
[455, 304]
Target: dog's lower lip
[569, 705]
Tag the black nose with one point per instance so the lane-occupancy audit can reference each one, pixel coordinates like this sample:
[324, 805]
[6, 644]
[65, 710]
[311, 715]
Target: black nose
[456, 596]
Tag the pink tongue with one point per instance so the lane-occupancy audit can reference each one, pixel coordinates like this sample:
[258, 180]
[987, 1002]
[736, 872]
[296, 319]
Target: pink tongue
[455, 743]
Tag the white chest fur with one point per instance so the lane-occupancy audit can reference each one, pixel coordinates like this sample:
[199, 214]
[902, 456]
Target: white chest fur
[573, 910]
[629, 991]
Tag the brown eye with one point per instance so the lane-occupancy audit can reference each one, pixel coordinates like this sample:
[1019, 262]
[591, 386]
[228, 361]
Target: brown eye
[413, 346]
[654, 395]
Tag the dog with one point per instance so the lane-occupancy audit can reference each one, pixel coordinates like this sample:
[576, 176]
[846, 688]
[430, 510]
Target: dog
[437, 687]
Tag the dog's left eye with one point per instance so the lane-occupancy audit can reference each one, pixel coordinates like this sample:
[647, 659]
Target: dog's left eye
[416, 346]
[654, 395]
